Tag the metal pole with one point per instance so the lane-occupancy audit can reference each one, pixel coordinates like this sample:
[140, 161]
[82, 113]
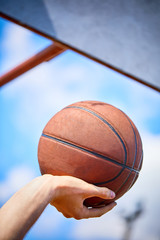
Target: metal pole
[45, 55]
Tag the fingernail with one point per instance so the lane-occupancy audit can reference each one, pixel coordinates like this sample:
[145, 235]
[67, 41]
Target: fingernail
[112, 194]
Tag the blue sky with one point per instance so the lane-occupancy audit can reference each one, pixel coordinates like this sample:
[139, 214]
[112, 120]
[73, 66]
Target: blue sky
[28, 102]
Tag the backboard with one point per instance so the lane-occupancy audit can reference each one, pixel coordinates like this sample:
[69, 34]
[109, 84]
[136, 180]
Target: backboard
[123, 35]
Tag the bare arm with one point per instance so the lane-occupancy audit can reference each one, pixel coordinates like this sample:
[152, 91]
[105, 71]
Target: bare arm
[65, 193]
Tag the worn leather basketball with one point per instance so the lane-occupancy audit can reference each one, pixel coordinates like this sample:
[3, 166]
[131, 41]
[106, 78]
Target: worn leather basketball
[93, 141]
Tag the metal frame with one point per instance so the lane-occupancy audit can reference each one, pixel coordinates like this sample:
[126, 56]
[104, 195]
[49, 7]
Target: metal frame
[30, 62]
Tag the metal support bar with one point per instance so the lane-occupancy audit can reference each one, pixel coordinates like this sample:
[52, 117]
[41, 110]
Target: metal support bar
[45, 55]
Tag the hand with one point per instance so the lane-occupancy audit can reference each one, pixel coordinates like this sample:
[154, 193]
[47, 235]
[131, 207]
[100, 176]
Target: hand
[70, 193]
[66, 193]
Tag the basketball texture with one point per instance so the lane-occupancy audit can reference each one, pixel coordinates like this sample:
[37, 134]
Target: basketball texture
[93, 141]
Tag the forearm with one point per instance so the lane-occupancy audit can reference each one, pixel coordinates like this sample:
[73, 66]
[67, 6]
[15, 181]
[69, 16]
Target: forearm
[22, 210]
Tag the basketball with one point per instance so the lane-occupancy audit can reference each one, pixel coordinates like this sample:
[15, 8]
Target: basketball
[93, 141]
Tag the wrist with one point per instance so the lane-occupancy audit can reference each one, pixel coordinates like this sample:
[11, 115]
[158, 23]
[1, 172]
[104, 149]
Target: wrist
[51, 184]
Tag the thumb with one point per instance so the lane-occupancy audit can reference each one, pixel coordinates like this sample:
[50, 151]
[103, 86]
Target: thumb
[101, 192]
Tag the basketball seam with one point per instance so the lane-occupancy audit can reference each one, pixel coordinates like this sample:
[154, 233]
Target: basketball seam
[106, 121]
[90, 152]
[124, 182]
[102, 183]
[135, 156]
[78, 145]
[86, 150]
[127, 180]
[133, 181]
[140, 161]
[135, 138]
[133, 126]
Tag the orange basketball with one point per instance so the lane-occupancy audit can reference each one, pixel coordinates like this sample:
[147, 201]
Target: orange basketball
[93, 141]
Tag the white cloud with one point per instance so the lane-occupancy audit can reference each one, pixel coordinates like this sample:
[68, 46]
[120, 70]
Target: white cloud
[107, 227]
[16, 45]
[16, 178]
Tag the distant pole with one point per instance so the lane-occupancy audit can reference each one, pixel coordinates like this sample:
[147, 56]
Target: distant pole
[130, 220]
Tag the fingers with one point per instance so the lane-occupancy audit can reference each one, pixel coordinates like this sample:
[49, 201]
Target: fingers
[98, 212]
[89, 213]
